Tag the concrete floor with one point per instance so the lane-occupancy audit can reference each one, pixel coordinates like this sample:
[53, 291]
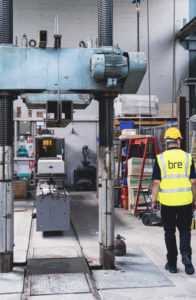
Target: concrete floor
[54, 266]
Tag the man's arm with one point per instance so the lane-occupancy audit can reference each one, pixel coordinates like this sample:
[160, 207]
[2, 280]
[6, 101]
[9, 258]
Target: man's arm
[193, 183]
[155, 190]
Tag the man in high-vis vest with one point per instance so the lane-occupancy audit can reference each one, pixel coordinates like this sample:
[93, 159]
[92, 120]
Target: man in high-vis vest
[174, 182]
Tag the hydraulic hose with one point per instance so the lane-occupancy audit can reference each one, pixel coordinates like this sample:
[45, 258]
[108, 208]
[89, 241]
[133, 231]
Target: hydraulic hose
[6, 123]
[6, 21]
[106, 121]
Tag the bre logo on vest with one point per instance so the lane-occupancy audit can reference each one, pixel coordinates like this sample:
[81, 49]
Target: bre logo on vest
[173, 165]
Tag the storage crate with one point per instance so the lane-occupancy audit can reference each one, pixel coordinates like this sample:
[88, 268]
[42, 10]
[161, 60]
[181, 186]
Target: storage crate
[135, 167]
[20, 188]
[165, 110]
[126, 125]
[25, 176]
[129, 105]
[132, 196]
[128, 132]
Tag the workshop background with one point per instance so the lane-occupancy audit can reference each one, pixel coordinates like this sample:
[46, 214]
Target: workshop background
[167, 67]
[76, 217]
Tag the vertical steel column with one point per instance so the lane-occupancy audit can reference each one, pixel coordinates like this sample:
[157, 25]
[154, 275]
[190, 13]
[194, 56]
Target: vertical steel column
[106, 183]
[106, 156]
[192, 61]
[182, 120]
[6, 151]
[6, 186]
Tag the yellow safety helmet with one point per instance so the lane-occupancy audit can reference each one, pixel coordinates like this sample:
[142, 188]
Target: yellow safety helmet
[172, 133]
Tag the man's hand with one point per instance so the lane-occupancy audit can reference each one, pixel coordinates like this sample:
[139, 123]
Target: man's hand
[155, 190]
[193, 183]
[155, 205]
[194, 205]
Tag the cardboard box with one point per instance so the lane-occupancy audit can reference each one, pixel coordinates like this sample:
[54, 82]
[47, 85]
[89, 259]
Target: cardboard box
[133, 182]
[20, 188]
[135, 167]
[126, 105]
[132, 196]
[128, 132]
[165, 110]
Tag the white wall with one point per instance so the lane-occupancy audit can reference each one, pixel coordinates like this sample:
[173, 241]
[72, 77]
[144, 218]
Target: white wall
[77, 19]
[77, 135]
[82, 131]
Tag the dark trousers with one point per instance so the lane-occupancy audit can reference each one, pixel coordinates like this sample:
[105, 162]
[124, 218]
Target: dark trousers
[180, 217]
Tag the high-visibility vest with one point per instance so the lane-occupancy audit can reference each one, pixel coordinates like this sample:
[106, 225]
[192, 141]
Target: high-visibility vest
[175, 186]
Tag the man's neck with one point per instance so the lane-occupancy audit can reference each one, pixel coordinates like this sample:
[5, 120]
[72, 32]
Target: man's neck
[173, 146]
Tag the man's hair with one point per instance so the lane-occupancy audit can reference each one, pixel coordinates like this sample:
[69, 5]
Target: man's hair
[171, 142]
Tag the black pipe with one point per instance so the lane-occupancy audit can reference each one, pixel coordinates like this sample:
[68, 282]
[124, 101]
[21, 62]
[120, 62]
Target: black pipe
[138, 31]
[105, 38]
[182, 120]
[6, 21]
[6, 121]
[105, 23]
[99, 23]
[6, 104]
[106, 116]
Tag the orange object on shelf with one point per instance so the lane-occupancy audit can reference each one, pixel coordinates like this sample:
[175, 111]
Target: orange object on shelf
[124, 200]
[124, 196]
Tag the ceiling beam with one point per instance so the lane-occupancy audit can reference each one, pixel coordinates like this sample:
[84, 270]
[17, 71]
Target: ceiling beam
[187, 30]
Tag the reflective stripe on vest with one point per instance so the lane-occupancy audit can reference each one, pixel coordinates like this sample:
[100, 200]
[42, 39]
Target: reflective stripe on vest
[187, 163]
[163, 165]
[174, 176]
[176, 190]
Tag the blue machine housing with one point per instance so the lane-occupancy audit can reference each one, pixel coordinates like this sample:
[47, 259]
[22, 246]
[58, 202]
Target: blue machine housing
[34, 70]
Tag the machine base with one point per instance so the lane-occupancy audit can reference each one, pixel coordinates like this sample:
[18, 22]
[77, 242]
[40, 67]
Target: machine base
[6, 262]
[106, 257]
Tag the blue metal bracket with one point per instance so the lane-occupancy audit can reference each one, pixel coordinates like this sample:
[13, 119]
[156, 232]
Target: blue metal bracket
[39, 100]
[189, 44]
[186, 35]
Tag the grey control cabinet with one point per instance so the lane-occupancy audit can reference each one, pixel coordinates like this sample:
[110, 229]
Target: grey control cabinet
[53, 211]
